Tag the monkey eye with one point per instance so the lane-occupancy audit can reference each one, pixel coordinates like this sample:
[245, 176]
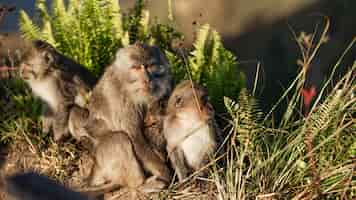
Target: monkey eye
[205, 99]
[152, 68]
[136, 67]
[179, 102]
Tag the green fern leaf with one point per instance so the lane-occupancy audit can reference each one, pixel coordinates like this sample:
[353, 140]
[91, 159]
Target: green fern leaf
[28, 29]
[47, 33]
[116, 19]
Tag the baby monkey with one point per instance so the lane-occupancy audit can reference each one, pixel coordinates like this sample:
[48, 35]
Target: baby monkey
[116, 164]
[60, 83]
[189, 128]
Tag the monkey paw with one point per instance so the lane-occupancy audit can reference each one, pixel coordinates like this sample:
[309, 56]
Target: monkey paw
[46, 124]
[59, 133]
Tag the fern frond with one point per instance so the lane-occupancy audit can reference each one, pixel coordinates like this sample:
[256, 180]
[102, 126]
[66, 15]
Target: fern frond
[177, 66]
[250, 113]
[125, 40]
[28, 29]
[47, 34]
[114, 11]
[215, 49]
[73, 7]
[144, 22]
[59, 11]
[41, 6]
[132, 22]
[232, 107]
[245, 115]
[197, 56]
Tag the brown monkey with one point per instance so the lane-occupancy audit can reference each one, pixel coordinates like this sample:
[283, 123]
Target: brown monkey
[153, 128]
[138, 76]
[78, 127]
[59, 81]
[189, 128]
[33, 186]
[116, 164]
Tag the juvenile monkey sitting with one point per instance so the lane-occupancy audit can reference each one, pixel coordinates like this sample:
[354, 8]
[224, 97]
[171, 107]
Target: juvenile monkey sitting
[60, 83]
[189, 128]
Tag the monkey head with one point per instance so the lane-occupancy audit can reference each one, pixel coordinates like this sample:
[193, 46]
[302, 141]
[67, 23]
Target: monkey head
[145, 72]
[189, 103]
[38, 63]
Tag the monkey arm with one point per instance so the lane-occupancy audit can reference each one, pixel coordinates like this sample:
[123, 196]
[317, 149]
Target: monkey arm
[96, 127]
[150, 160]
[177, 159]
[47, 118]
[60, 124]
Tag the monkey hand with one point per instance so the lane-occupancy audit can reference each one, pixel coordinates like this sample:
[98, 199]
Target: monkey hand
[46, 124]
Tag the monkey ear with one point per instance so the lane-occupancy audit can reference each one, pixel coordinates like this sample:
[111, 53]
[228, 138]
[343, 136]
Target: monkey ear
[39, 44]
[48, 57]
[42, 45]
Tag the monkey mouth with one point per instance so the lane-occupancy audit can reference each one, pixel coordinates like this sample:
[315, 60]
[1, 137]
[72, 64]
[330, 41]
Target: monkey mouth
[143, 90]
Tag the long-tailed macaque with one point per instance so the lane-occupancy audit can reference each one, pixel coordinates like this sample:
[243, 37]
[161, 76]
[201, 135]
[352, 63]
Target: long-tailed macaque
[189, 128]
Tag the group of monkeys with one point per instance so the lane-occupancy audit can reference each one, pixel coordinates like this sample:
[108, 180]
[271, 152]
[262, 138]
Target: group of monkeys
[137, 124]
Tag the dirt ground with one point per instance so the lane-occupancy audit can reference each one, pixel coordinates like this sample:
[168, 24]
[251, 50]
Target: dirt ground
[70, 165]
[66, 165]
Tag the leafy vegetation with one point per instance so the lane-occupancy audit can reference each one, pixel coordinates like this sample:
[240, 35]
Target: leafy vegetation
[304, 157]
[310, 154]
[91, 32]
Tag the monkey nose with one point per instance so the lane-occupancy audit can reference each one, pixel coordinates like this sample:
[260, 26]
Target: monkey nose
[22, 70]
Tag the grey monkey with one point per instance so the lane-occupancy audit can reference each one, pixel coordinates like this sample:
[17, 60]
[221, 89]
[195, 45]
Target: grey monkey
[139, 76]
[189, 128]
[60, 83]
[116, 164]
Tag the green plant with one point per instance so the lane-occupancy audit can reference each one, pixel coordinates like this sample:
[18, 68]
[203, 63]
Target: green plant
[303, 157]
[91, 32]
[87, 31]
[16, 114]
[211, 65]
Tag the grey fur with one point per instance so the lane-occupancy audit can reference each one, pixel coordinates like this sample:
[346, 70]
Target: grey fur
[137, 78]
[59, 81]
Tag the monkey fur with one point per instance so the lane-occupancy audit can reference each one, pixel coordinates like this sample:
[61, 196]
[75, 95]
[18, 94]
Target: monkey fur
[189, 129]
[139, 76]
[60, 83]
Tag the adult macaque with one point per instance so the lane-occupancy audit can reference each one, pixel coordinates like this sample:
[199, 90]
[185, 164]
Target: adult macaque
[138, 77]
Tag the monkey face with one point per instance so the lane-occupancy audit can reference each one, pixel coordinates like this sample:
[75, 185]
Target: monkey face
[190, 102]
[146, 72]
[37, 64]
